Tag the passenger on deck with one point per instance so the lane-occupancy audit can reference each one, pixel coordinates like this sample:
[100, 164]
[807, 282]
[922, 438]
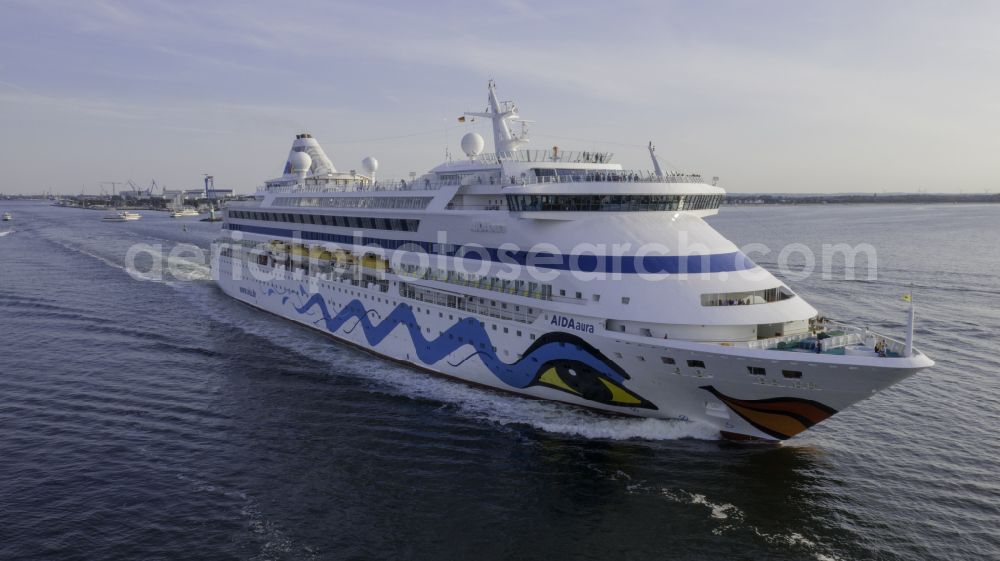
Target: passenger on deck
[880, 347]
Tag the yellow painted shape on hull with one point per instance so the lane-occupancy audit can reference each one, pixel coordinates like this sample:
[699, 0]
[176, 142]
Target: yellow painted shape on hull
[619, 395]
[552, 378]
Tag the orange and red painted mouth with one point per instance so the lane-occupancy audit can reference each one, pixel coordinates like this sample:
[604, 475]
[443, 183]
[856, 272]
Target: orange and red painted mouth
[780, 417]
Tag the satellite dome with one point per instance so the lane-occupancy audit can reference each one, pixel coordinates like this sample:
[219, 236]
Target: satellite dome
[300, 162]
[370, 164]
[472, 144]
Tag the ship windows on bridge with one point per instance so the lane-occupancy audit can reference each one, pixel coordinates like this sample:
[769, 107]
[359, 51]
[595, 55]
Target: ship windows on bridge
[746, 298]
[612, 203]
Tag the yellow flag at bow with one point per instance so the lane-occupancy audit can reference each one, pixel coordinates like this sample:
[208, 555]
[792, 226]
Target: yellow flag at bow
[907, 298]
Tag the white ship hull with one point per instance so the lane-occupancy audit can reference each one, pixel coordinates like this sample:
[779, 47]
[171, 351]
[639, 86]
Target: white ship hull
[575, 360]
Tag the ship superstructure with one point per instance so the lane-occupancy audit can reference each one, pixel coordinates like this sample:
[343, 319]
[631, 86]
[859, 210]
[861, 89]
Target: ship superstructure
[554, 274]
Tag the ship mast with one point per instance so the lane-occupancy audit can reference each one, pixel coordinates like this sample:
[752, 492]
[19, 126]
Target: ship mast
[656, 163]
[502, 113]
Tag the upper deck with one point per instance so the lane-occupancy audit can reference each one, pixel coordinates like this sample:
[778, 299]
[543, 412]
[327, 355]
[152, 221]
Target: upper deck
[615, 179]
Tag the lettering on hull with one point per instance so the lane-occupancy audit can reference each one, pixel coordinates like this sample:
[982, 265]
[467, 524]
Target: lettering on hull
[570, 323]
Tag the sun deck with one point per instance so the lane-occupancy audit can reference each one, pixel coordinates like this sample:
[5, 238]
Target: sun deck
[831, 337]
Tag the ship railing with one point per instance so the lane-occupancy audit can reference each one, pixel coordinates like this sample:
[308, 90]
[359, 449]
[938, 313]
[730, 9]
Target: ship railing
[775, 342]
[868, 337]
[377, 186]
[840, 335]
[571, 156]
[603, 176]
[840, 341]
[585, 176]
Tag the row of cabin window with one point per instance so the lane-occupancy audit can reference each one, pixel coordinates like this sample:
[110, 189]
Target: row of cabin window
[356, 202]
[496, 284]
[612, 203]
[407, 290]
[595, 296]
[400, 224]
[753, 370]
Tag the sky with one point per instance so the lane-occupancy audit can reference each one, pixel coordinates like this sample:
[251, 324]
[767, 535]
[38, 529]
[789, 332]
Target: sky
[771, 96]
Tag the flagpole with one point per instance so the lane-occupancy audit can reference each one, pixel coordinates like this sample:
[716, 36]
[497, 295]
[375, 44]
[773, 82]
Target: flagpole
[909, 327]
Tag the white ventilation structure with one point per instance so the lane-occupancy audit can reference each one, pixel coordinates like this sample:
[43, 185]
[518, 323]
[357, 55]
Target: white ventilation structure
[318, 164]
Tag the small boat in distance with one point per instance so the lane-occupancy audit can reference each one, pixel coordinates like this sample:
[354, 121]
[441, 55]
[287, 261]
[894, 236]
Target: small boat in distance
[122, 216]
[7, 217]
[184, 212]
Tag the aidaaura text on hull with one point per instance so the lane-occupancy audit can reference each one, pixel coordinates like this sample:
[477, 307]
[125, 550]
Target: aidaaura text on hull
[553, 274]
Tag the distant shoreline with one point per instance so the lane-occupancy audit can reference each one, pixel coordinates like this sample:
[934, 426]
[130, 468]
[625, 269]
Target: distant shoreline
[741, 199]
[732, 199]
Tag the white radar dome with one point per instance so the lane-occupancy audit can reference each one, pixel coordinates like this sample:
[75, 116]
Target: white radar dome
[472, 144]
[370, 164]
[300, 162]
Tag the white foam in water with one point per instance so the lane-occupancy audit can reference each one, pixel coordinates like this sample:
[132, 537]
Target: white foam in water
[2, 234]
[188, 270]
[730, 517]
[185, 268]
[511, 410]
[82, 251]
[718, 511]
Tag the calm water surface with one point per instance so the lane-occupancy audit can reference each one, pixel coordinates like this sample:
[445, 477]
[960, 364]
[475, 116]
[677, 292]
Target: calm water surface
[162, 420]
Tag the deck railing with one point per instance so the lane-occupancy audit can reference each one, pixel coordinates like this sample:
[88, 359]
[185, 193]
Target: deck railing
[608, 176]
[571, 156]
[425, 184]
[848, 335]
[377, 186]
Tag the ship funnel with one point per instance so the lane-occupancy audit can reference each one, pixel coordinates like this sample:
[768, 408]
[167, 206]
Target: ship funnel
[317, 162]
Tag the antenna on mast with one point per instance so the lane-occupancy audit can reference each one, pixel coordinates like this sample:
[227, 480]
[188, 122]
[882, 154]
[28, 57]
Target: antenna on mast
[656, 163]
[502, 114]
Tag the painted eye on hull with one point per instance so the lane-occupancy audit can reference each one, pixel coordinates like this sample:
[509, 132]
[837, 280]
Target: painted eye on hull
[579, 379]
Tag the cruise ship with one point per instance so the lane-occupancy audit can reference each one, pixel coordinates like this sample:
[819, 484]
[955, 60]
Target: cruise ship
[552, 274]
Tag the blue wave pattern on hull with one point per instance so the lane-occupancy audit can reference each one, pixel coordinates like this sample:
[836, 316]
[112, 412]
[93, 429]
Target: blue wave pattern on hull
[467, 331]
